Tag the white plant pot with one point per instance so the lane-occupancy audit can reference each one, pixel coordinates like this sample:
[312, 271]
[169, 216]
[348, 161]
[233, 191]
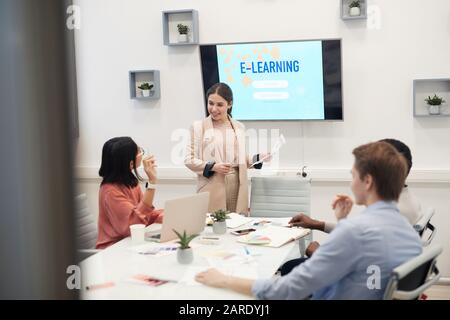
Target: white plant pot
[434, 110]
[146, 93]
[355, 11]
[220, 227]
[182, 38]
[185, 256]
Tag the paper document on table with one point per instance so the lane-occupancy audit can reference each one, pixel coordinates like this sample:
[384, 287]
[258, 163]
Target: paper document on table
[275, 149]
[272, 236]
[236, 220]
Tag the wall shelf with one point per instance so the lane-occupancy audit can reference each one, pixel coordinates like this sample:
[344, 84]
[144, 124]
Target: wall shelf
[345, 10]
[422, 88]
[172, 18]
[137, 77]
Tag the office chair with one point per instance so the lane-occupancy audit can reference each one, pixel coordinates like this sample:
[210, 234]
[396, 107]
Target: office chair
[424, 224]
[409, 280]
[281, 197]
[86, 229]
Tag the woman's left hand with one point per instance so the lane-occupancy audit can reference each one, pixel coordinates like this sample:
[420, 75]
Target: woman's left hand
[150, 168]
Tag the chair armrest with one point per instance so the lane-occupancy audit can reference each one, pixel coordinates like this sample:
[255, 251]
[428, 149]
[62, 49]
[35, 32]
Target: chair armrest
[431, 236]
[423, 221]
[302, 246]
[410, 295]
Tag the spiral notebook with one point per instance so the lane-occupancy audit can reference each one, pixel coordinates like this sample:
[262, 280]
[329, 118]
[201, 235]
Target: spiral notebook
[273, 236]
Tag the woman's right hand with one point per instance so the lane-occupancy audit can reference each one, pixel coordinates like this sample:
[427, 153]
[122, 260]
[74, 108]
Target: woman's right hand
[222, 168]
[149, 164]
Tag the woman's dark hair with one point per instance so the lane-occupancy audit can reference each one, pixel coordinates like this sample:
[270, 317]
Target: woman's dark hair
[223, 90]
[403, 149]
[116, 156]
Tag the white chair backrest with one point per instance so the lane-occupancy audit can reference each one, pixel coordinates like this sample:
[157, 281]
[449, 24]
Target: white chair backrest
[409, 280]
[280, 196]
[86, 226]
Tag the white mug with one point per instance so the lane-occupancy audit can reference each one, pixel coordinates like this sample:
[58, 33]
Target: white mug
[137, 233]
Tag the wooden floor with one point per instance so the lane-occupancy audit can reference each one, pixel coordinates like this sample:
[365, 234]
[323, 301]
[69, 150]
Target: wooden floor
[438, 292]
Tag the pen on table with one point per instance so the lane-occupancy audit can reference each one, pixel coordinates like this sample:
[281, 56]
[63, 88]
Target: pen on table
[210, 238]
[100, 285]
[165, 280]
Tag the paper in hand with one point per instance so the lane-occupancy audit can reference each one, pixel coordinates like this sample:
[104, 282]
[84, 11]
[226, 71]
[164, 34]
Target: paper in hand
[276, 148]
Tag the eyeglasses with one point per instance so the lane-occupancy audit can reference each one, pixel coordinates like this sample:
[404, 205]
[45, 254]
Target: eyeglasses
[141, 151]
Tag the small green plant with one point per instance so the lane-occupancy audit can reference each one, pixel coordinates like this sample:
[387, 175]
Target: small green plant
[184, 239]
[182, 28]
[435, 101]
[354, 4]
[146, 86]
[220, 215]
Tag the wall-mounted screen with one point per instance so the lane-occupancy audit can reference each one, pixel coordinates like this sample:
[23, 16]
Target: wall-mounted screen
[283, 80]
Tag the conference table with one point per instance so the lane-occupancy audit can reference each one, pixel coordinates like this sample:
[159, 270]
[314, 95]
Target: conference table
[119, 263]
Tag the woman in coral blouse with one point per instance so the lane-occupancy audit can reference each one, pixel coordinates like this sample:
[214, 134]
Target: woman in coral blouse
[121, 200]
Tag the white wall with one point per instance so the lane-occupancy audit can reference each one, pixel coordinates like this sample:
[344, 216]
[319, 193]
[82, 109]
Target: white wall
[378, 68]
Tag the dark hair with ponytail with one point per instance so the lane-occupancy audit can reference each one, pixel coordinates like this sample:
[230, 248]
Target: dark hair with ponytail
[223, 90]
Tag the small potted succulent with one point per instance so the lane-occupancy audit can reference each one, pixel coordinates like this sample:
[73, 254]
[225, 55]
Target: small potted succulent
[434, 104]
[355, 8]
[185, 255]
[219, 218]
[146, 87]
[182, 32]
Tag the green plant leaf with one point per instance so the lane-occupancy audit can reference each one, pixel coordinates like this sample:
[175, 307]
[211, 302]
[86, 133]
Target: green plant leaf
[184, 239]
[220, 215]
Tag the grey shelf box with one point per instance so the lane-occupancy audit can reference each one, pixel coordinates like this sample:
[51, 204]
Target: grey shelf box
[172, 18]
[422, 88]
[345, 10]
[137, 77]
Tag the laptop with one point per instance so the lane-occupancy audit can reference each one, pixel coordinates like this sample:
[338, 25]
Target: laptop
[186, 213]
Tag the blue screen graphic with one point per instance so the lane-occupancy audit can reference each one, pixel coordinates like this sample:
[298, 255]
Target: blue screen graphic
[274, 81]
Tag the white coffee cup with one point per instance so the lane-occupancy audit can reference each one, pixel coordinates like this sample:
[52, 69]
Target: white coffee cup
[137, 233]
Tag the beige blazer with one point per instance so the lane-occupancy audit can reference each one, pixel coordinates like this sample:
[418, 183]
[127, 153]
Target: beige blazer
[203, 148]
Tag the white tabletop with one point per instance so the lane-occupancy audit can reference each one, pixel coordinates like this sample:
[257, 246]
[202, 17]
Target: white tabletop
[118, 263]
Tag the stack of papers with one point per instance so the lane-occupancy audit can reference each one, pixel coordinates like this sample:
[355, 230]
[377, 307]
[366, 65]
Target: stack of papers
[257, 239]
[273, 236]
[236, 220]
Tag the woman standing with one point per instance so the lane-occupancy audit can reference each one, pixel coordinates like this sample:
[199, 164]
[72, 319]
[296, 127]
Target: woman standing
[121, 201]
[217, 154]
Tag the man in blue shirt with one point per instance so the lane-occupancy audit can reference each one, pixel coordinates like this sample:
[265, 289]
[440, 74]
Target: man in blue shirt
[359, 255]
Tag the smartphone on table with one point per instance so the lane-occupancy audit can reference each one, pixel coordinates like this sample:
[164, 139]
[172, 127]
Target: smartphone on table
[242, 231]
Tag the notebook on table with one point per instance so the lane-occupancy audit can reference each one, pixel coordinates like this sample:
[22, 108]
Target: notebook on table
[273, 236]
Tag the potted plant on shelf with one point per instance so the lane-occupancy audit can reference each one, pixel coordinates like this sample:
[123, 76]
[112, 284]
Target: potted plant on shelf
[219, 221]
[185, 255]
[182, 32]
[434, 104]
[355, 8]
[146, 87]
